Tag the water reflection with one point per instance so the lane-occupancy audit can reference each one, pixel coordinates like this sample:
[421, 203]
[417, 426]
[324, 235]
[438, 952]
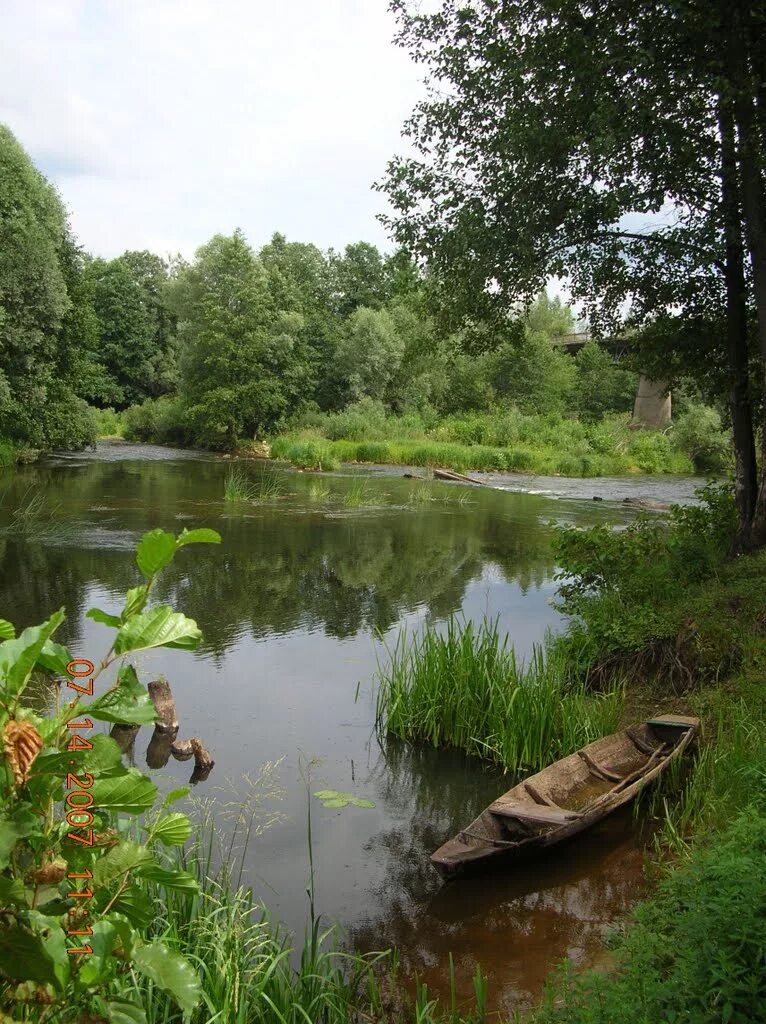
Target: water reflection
[291, 606]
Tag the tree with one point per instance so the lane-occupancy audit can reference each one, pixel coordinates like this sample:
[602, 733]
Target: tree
[136, 328]
[369, 354]
[38, 406]
[242, 363]
[359, 278]
[555, 127]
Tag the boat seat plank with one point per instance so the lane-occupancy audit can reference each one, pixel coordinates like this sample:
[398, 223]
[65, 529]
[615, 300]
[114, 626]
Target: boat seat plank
[534, 813]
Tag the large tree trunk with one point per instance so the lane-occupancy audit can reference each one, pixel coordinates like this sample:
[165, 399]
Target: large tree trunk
[746, 474]
[754, 209]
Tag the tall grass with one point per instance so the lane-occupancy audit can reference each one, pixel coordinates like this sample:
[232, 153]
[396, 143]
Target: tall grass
[7, 454]
[238, 486]
[359, 495]
[465, 688]
[33, 518]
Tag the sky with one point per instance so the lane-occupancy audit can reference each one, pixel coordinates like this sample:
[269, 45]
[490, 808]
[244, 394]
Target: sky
[163, 122]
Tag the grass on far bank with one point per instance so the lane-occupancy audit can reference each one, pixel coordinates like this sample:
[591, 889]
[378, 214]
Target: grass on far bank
[506, 440]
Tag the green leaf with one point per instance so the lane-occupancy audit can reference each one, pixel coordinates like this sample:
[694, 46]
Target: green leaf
[135, 904]
[11, 892]
[105, 618]
[181, 881]
[33, 948]
[125, 1013]
[130, 793]
[19, 656]
[54, 658]
[176, 794]
[201, 536]
[21, 823]
[173, 829]
[169, 971]
[335, 802]
[155, 551]
[158, 627]
[127, 703]
[104, 756]
[96, 966]
[135, 600]
[119, 861]
[7, 630]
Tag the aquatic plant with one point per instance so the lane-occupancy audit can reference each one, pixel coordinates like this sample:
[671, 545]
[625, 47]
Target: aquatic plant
[318, 491]
[465, 688]
[34, 519]
[238, 486]
[421, 494]
[359, 495]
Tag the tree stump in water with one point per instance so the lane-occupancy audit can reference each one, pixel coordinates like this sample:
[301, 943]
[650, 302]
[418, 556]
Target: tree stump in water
[162, 697]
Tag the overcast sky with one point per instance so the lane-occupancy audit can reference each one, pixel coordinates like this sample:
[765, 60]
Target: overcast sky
[163, 122]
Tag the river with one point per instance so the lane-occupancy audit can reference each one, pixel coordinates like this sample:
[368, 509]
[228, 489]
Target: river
[297, 606]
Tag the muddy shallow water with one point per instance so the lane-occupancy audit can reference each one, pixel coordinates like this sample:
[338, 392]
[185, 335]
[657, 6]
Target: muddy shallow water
[297, 607]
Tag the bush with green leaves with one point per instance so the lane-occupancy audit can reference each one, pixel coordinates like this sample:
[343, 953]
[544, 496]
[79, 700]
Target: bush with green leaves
[161, 420]
[619, 587]
[42, 869]
[699, 434]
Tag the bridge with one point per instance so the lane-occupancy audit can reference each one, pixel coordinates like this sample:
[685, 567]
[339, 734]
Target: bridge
[653, 406]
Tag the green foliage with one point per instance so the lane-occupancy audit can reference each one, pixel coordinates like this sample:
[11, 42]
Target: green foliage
[621, 587]
[135, 328]
[108, 423]
[244, 364]
[7, 454]
[602, 386]
[332, 799]
[39, 976]
[699, 434]
[694, 952]
[238, 486]
[466, 689]
[39, 406]
[162, 420]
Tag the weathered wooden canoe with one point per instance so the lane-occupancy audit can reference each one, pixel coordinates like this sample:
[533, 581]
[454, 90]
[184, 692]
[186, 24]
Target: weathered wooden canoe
[568, 796]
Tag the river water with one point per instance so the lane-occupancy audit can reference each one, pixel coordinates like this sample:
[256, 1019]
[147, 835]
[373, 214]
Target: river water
[298, 606]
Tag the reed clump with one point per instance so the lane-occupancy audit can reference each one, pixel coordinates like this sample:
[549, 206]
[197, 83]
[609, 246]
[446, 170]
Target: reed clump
[465, 688]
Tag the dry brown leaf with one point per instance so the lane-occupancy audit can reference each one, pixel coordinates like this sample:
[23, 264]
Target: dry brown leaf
[50, 874]
[22, 745]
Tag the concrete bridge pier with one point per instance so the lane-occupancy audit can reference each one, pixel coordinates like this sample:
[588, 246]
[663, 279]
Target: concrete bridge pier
[653, 406]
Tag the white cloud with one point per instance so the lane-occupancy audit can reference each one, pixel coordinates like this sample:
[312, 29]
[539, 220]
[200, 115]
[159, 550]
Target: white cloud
[164, 121]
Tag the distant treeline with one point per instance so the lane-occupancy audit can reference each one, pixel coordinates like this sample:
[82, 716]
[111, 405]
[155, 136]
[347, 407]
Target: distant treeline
[237, 343]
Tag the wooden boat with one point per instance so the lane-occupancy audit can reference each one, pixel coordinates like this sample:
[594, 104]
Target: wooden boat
[569, 796]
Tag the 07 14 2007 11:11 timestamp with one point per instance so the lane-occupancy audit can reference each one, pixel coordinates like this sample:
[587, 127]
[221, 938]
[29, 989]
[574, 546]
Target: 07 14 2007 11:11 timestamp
[79, 801]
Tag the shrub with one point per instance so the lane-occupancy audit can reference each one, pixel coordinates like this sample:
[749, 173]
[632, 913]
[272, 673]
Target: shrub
[699, 434]
[373, 451]
[7, 454]
[161, 420]
[108, 423]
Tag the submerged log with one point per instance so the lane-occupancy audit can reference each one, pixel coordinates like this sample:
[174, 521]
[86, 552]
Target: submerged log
[181, 750]
[162, 697]
[159, 749]
[448, 474]
[647, 503]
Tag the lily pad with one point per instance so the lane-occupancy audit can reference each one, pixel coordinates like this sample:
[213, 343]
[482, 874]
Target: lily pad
[332, 798]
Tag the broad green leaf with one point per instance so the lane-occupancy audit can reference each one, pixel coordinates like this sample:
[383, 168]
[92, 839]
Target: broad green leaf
[201, 536]
[118, 862]
[96, 966]
[19, 656]
[175, 794]
[33, 948]
[131, 793]
[335, 802]
[155, 551]
[158, 627]
[104, 756]
[54, 658]
[127, 703]
[11, 891]
[169, 878]
[135, 600]
[136, 906]
[7, 630]
[125, 1013]
[169, 971]
[13, 827]
[173, 829]
[106, 618]
[126, 933]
